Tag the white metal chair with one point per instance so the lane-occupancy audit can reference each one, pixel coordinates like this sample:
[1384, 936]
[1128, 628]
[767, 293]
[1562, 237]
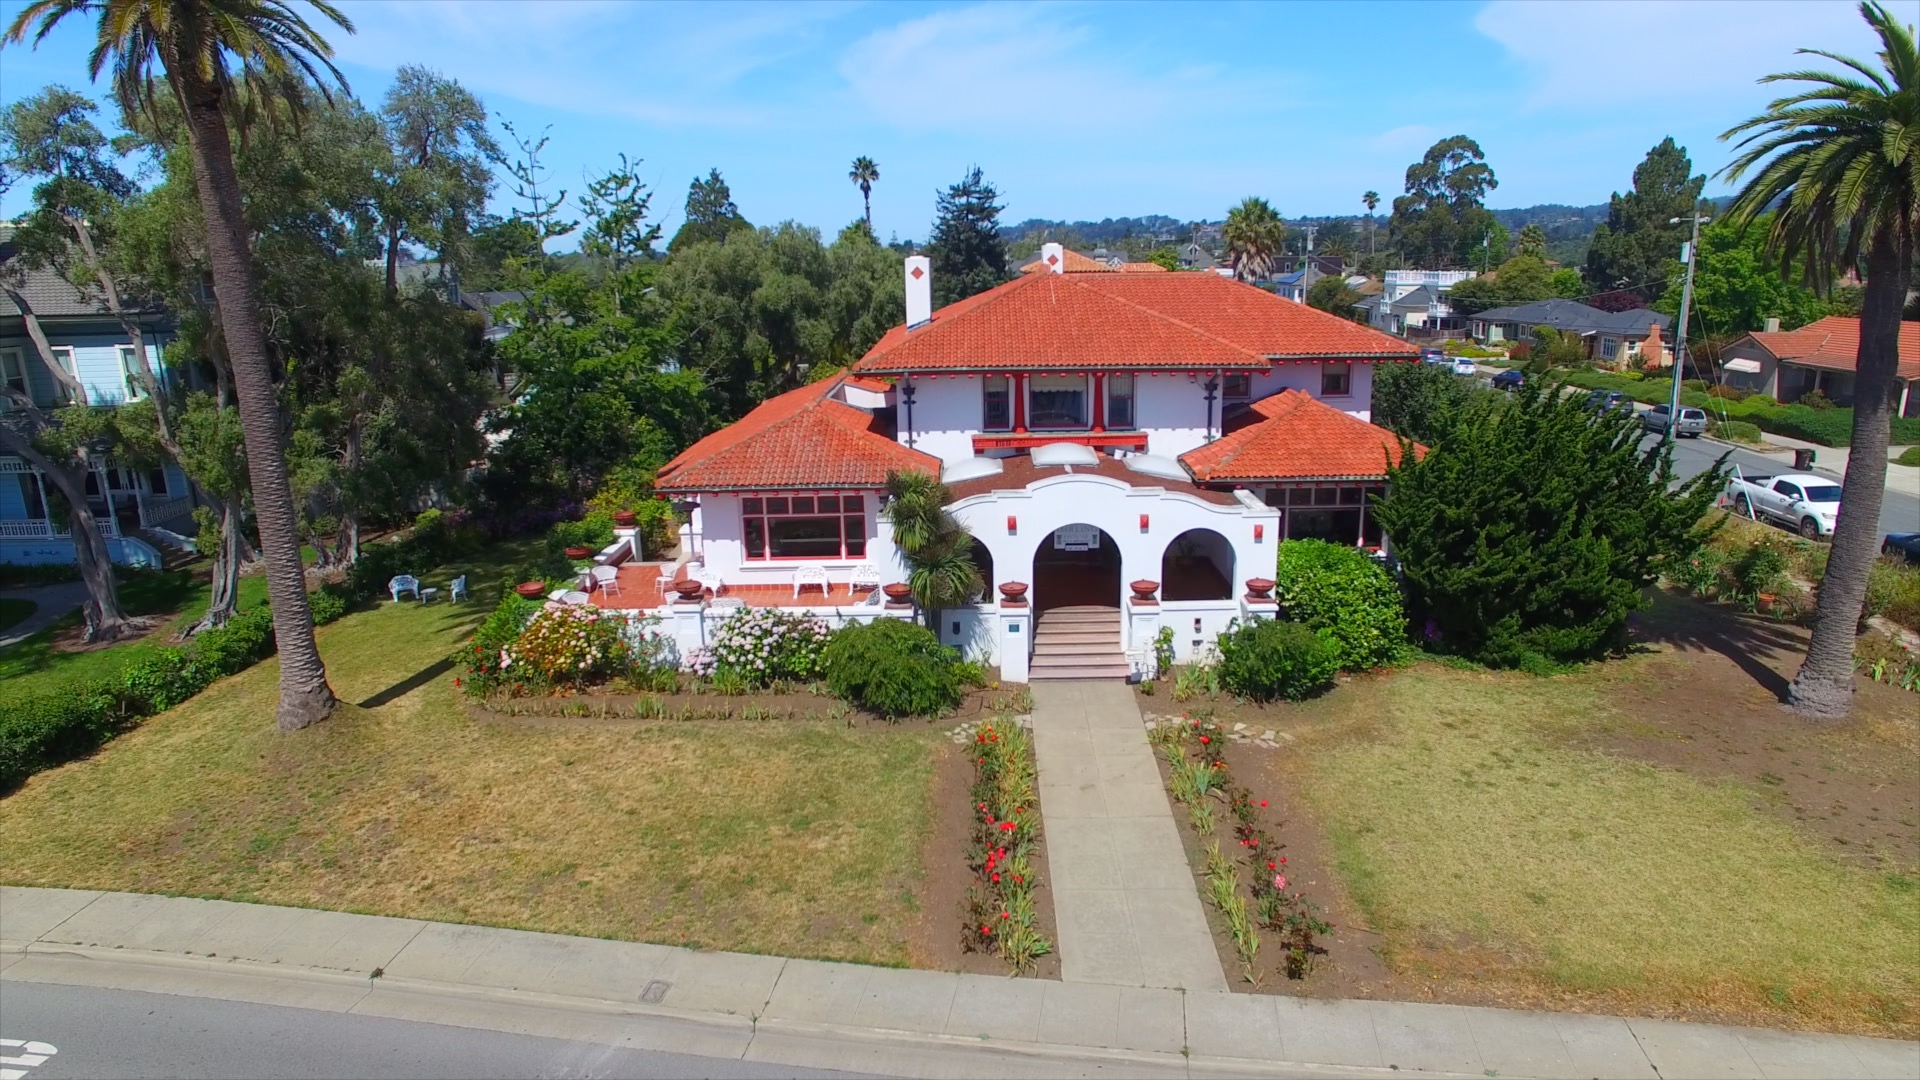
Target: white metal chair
[708, 578]
[558, 596]
[608, 579]
[811, 574]
[668, 575]
[865, 576]
[874, 598]
[574, 597]
[457, 591]
[405, 583]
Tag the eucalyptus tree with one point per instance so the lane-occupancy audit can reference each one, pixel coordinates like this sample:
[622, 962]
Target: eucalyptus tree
[440, 172]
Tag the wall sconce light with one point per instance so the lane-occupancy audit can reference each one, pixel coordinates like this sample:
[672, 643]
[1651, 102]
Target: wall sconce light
[1259, 532]
[1143, 523]
[1013, 525]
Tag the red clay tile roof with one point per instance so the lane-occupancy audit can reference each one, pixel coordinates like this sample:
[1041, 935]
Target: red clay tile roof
[1076, 263]
[1146, 321]
[1142, 268]
[862, 382]
[1294, 436]
[803, 438]
[1834, 343]
[1017, 472]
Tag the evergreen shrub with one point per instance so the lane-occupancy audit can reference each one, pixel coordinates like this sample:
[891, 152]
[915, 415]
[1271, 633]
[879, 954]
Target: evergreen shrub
[1338, 588]
[1268, 658]
[894, 668]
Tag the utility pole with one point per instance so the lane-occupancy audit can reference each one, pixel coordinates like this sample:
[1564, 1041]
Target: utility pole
[1690, 255]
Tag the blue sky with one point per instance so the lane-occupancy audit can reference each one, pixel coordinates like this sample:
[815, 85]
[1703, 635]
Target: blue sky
[1079, 110]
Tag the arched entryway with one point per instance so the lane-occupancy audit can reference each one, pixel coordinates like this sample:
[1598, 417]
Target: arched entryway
[983, 561]
[1076, 566]
[1197, 565]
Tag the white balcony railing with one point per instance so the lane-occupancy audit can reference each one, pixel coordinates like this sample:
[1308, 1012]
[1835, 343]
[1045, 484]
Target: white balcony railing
[154, 511]
[29, 530]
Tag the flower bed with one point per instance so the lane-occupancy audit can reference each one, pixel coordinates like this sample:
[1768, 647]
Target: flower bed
[1249, 889]
[999, 913]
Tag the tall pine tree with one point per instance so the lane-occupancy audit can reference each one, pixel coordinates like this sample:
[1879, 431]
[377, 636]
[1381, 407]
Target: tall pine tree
[711, 214]
[1638, 239]
[968, 255]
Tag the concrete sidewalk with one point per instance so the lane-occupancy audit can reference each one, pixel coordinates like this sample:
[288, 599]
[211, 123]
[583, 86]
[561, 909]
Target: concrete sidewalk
[1124, 898]
[51, 604]
[846, 1016]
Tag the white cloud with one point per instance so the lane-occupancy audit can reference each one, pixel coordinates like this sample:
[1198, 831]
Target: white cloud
[1601, 54]
[663, 64]
[1406, 137]
[1001, 69]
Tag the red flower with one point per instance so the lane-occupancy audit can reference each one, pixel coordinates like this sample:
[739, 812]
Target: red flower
[1017, 879]
[1204, 740]
[1283, 858]
[1270, 866]
[986, 929]
[1006, 915]
[1263, 803]
[996, 877]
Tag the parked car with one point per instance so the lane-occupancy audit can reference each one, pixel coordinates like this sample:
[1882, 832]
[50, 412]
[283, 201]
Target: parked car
[1907, 544]
[1511, 379]
[1803, 502]
[1463, 365]
[1691, 425]
[1602, 400]
[1432, 356]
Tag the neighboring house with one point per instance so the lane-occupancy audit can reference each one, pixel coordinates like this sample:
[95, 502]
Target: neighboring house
[1615, 338]
[1786, 365]
[90, 344]
[1194, 256]
[1095, 429]
[485, 303]
[1414, 300]
[1076, 263]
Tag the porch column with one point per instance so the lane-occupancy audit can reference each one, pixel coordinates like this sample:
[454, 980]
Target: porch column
[1099, 402]
[1020, 404]
[1906, 388]
[1360, 538]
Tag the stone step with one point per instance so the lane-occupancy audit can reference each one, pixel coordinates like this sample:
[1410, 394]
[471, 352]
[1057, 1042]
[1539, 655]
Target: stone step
[1104, 647]
[1075, 615]
[1116, 670]
[1105, 626]
[1049, 661]
[1098, 640]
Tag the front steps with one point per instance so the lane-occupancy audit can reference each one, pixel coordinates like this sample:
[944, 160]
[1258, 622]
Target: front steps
[1078, 643]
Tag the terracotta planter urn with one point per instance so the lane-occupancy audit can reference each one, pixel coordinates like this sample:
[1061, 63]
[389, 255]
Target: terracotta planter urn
[532, 590]
[1260, 588]
[1143, 590]
[1014, 592]
[898, 592]
[689, 589]
[577, 552]
[625, 518]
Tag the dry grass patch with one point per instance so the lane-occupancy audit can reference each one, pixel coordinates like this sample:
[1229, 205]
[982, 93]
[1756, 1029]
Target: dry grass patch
[797, 839]
[1487, 840]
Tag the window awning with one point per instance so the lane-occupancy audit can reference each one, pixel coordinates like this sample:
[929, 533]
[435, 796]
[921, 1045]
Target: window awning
[1742, 364]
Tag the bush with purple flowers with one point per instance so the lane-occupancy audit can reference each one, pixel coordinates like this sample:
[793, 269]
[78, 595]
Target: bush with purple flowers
[764, 645]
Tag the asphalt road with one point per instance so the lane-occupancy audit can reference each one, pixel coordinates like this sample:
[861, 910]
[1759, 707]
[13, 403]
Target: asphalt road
[1899, 512]
[125, 1033]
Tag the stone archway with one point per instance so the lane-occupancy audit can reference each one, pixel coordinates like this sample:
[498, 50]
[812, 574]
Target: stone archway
[1076, 565]
[1197, 565]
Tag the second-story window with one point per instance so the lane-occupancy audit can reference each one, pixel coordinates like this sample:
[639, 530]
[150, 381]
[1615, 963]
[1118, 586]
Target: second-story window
[996, 403]
[13, 373]
[1120, 402]
[63, 355]
[1336, 380]
[1056, 402]
[130, 369]
[1237, 386]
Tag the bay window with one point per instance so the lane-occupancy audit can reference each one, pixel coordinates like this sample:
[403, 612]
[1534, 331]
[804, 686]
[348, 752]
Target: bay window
[804, 527]
[996, 403]
[1056, 402]
[1120, 402]
[1336, 380]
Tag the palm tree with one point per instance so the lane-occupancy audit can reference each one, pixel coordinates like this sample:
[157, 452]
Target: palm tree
[1838, 159]
[1372, 201]
[937, 548]
[1254, 233]
[228, 61]
[865, 174]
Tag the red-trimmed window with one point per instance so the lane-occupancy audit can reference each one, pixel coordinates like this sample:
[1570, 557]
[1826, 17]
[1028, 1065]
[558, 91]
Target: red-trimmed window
[996, 403]
[1336, 380]
[1237, 386]
[804, 527]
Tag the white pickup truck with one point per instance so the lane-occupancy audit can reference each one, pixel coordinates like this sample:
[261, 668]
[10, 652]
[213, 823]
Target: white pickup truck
[1802, 502]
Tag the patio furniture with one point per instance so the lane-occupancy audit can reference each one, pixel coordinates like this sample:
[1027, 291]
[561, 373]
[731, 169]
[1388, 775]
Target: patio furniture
[457, 591]
[668, 575]
[608, 578]
[558, 596]
[709, 579]
[811, 574]
[428, 593]
[874, 598]
[865, 576]
[405, 583]
[574, 597]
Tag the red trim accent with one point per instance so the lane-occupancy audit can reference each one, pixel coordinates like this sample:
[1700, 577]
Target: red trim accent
[1127, 440]
[1259, 531]
[1019, 404]
[1099, 402]
[1143, 523]
[1013, 525]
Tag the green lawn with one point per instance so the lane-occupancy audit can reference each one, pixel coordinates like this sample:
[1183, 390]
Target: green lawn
[34, 665]
[1486, 839]
[12, 611]
[791, 838]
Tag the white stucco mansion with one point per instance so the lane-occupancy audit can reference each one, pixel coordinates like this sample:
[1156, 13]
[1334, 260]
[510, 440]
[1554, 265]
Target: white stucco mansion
[1126, 445]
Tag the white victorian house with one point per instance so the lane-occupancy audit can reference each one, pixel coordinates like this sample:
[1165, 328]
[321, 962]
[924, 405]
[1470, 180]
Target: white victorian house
[1126, 448]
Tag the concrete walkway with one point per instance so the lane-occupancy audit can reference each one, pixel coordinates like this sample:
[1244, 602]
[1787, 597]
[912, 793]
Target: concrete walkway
[1124, 898]
[51, 604]
[845, 1016]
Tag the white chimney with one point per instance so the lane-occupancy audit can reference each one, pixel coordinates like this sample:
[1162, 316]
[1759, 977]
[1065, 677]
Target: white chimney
[1055, 257]
[1773, 326]
[919, 289]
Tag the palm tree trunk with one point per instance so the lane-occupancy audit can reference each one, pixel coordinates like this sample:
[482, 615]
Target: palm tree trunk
[866, 197]
[1824, 687]
[305, 697]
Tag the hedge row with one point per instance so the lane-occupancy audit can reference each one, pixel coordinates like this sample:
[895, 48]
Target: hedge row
[43, 730]
[1828, 427]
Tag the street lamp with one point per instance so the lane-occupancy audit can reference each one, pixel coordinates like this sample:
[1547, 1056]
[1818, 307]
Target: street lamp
[1689, 254]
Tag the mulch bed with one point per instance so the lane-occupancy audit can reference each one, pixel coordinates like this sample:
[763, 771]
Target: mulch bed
[934, 942]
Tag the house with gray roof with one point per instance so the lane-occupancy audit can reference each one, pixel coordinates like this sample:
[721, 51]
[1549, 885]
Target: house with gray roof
[1617, 338]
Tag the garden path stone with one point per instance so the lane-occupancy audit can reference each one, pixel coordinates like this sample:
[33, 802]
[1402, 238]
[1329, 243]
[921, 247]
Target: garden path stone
[1124, 898]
